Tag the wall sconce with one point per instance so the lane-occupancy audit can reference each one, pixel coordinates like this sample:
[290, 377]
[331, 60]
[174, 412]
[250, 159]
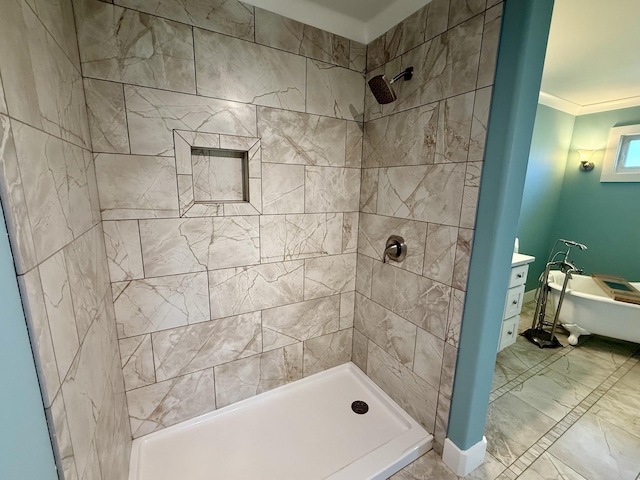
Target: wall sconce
[586, 164]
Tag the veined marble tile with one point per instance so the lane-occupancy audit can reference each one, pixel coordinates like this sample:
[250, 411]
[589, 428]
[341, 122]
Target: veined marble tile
[327, 351]
[136, 355]
[154, 114]
[463, 255]
[84, 388]
[479, 124]
[437, 18]
[440, 252]
[619, 406]
[360, 350]
[442, 424]
[331, 189]
[420, 300]
[520, 357]
[57, 17]
[404, 36]
[55, 187]
[295, 236]
[195, 347]
[429, 355]
[490, 40]
[124, 254]
[232, 18]
[501, 376]
[227, 68]
[512, 427]
[474, 171]
[18, 79]
[547, 466]
[584, 367]
[357, 56]
[350, 227]
[553, 394]
[449, 360]
[286, 34]
[395, 335]
[107, 116]
[329, 275]
[369, 190]
[162, 404]
[469, 207]
[13, 198]
[135, 186]
[145, 306]
[186, 245]
[92, 469]
[454, 320]
[347, 309]
[595, 448]
[290, 324]
[283, 188]
[88, 277]
[248, 289]
[291, 137]
[364, 274]
[430, 193]
[127, 46]
[3, 102]
[57, 417]
[334, 91]
[250, 376]
[375, 229]
[412, 393]
[461, 10]
[58, 83]
[62, 322]
[355, 132]
[454, 128]
[40, 335]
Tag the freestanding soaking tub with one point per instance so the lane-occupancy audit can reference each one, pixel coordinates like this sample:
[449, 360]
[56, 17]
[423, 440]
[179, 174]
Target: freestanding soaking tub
[304, 430]
[586, 309]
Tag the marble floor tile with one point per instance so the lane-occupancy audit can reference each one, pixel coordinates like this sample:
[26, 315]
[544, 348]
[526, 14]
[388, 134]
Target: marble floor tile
[512, 427]
[584, 367]
[620, 406]
[502, 375]
[597, 449]
[548, 467]
[553, 394]
[523, 355]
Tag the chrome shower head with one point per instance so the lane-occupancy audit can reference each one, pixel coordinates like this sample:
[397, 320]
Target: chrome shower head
[382, 89]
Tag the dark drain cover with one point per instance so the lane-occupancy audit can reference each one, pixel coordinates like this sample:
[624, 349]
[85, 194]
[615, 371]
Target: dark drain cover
[360, 407]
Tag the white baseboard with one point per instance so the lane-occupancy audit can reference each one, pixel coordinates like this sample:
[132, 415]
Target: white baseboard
[463, 462]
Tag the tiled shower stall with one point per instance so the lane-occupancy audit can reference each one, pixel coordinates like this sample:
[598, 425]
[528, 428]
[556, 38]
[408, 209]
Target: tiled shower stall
[198, 195]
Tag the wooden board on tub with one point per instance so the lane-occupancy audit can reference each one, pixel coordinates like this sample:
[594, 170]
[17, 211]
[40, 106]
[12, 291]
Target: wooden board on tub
[617, 288]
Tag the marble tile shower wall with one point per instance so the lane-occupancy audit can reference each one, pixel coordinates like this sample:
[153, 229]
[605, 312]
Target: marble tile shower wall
[214, 309]
[50, 198]
[421, 166]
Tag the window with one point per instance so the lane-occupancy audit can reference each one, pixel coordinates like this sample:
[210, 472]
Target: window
[622, 158]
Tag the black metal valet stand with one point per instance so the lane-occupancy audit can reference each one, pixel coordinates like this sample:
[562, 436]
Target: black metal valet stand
[537, 333]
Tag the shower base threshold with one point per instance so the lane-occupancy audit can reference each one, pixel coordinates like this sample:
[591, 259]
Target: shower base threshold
[304, 430]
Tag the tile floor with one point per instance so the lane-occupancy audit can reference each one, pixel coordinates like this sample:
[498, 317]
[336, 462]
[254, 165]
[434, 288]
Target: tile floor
[570, 413]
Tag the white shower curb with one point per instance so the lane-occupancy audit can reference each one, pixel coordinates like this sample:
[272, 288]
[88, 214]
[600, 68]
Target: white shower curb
[463, 462]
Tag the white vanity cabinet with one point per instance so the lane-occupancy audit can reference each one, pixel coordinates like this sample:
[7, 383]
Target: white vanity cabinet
[515, 296]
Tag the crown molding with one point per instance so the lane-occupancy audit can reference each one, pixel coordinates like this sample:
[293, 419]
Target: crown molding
[575, 109]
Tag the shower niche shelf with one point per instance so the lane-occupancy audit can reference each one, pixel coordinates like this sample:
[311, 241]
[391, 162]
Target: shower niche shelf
[217, 174]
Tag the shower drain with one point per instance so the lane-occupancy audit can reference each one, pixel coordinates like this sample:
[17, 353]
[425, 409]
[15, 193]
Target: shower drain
[360, 407]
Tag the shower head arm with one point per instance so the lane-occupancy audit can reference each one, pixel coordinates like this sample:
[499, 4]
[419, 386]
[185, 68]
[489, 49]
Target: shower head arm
[406, 74]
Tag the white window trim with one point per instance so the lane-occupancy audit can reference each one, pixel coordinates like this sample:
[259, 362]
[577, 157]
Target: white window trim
[609, 173]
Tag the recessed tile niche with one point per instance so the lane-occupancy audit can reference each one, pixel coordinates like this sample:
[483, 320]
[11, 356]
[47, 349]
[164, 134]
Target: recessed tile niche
[217, 174]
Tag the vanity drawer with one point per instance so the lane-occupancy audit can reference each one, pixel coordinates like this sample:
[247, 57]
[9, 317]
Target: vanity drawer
[513, 304]
[518, 275]
[509, 332]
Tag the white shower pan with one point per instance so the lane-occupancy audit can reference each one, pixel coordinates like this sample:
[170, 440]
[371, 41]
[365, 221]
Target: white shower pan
[303, 430]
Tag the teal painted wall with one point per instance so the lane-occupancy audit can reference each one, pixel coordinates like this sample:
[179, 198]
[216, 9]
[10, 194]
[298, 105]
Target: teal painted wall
[523, 44]
[603, 216]
[543, 186]
[25, 448]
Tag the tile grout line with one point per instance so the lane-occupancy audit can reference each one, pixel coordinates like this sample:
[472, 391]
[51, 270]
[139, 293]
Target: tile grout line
[534, 452]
